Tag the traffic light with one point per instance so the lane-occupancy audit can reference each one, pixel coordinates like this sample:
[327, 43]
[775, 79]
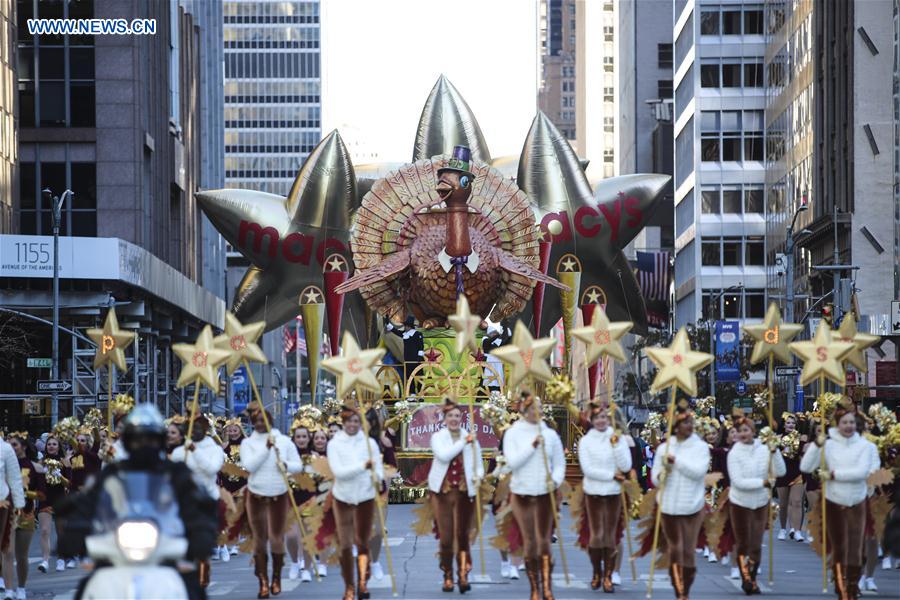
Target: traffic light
[223, 389]
[828, 314]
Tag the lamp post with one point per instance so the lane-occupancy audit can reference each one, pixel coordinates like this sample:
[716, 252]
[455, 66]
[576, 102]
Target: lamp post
[789, 277]
[712, 339]
[56, 205]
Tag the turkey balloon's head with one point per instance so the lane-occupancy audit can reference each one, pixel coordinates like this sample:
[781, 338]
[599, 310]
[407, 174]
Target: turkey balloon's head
[454, 187]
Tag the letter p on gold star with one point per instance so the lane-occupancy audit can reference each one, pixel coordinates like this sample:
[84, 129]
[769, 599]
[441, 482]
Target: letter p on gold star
[354, 366]
[111, 342]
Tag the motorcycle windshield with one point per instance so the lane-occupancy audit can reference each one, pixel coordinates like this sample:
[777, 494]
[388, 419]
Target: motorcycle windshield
[138, 496]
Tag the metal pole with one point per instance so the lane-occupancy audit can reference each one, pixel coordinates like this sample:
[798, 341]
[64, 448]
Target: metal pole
[836, 274]
[54, 373]
[789, 305]
[712, 346]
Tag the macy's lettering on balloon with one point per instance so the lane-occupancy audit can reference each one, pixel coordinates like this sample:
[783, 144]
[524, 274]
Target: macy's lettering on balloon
[588, 220]
[296, 247]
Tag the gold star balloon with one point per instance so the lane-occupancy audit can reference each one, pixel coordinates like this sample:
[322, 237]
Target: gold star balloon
[239, 341]
[465, 324]
[111, 342]
[678, 364]
[822, 356]
[526, 355]
[847, 332]
[200, 361]
[602, 337]
[772, 337]
[354, 366]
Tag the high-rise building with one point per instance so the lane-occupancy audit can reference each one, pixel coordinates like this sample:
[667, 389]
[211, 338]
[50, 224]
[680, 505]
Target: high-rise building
[896, 105]
[8, 115]
[131, 125]
[720, 100]
[272, 91]
[578, 76]
[830, 116]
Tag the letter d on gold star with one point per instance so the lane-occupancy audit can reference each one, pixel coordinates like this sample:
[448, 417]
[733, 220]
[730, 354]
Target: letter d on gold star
[111, 342]
[354, 366]
[200, 361]
[772, 337]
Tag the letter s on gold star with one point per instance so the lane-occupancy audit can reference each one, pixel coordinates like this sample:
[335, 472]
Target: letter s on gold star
[111, 342]
[200, 361]
[678, 364]
[526, 356]
[239, 341]
[354, 366]
[602, 337]
[822, 355]
[772, 337]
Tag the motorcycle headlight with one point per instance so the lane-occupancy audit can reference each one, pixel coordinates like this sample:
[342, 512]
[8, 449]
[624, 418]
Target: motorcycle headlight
[137, 539]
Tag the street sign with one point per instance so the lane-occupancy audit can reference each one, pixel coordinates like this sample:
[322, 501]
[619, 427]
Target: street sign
[895, 317]
[741, 388]
[39, 363]
[54, 385]
[787, 371]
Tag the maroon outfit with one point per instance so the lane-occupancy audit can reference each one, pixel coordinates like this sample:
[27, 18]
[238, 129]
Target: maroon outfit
[792, 466]
[87, 467]
[55, 492]
[232, 483]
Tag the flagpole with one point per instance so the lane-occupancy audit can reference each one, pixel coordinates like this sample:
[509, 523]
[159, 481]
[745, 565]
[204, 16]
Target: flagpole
[297, 360]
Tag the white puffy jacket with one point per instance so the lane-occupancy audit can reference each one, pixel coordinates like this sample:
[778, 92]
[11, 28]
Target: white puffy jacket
[347, 457]
[529, 474]
[265, 479]
[851, 459]
[748, 469]
[11, 476]
[445, 450]
[205, 461]
[600, 459]
[683, 492]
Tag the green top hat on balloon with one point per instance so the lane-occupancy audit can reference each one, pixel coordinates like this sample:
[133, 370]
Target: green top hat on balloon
[460, 161]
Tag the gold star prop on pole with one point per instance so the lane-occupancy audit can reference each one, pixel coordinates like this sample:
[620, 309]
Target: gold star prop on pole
[822, 355]
[354, 366]
[201, 361]
[239, 341]
[678, 364]
[847, 333]
[465, 324]
[772, 337]
[526, 355]
[602, 337]
[111, 342]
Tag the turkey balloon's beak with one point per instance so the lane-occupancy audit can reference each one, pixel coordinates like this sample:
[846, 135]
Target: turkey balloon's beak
[444, 189]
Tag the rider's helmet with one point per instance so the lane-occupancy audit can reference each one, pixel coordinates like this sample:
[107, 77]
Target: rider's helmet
[144, 435]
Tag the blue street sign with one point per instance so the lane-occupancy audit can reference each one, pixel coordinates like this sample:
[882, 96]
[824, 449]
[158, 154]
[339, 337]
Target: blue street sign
[798, 399]
[741, 388]
[728, 347]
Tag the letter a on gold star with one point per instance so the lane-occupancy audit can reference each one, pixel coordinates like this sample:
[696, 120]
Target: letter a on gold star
[602, 337]
[354, 366]
[465, 324]
[111, 342]
[526, 356]
[678, 364]
[239, 341]
[772, 337]
[200, 361]
[822, 355]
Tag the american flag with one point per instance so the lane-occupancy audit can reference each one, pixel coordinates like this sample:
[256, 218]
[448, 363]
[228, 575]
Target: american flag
[653, 275]
[290, 339]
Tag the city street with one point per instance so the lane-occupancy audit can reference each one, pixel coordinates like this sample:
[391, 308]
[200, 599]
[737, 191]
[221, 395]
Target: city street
[798, 574]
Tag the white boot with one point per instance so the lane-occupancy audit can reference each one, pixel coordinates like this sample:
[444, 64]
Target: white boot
[870, 584]
[377, 571]
[294, 571]
[886, 563]
[323, 569]
[305, 577]
[735, 573]
[782, 535]
[616, 578]
[513, 572]
[504, 569]
[224, 555]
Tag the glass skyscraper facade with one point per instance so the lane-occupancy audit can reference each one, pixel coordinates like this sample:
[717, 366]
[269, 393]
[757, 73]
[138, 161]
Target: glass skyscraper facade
[272, 91]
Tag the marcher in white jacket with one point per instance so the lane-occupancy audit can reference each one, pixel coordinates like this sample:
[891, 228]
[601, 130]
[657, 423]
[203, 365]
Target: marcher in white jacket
[849, 460]
[531, 449]
[204, 458]
[456, 472]
[267, 502]
[752, 469]
[685, 460]
[604, 458]
[352, 457]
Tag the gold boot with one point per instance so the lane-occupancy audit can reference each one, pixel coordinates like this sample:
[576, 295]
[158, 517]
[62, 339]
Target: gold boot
[744, 567]
[841, 589]
[277, 564]
[609, 565]
[464, 565]
[547, 576]
[362, 576]
[203, 573]
[532, 570]
[261, 564]
[676, 575]
[596, 555]
[447, 570]
[347, 574]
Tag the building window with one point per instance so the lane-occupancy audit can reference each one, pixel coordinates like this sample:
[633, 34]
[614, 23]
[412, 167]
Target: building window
[711, 253]
[664, 56]
[684, 213]
[753, 74]
[608, 63]
[755, 252]
[56, 73]
[731, 22]
[79, 215]
[709, 200]
[568, 86]
[753, 22]
[753, 200]
[609, 124]
[608, 94]
[685, 40]
[731, 75]
[732, 253]
[709, 76]
[709, 22]
[731, 201]
[731, 135]
[608, 33]
[664, 88]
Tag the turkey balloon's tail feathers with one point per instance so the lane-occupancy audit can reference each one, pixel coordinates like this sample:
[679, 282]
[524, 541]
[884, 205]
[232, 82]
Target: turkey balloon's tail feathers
[391, 265]
[510, 263]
